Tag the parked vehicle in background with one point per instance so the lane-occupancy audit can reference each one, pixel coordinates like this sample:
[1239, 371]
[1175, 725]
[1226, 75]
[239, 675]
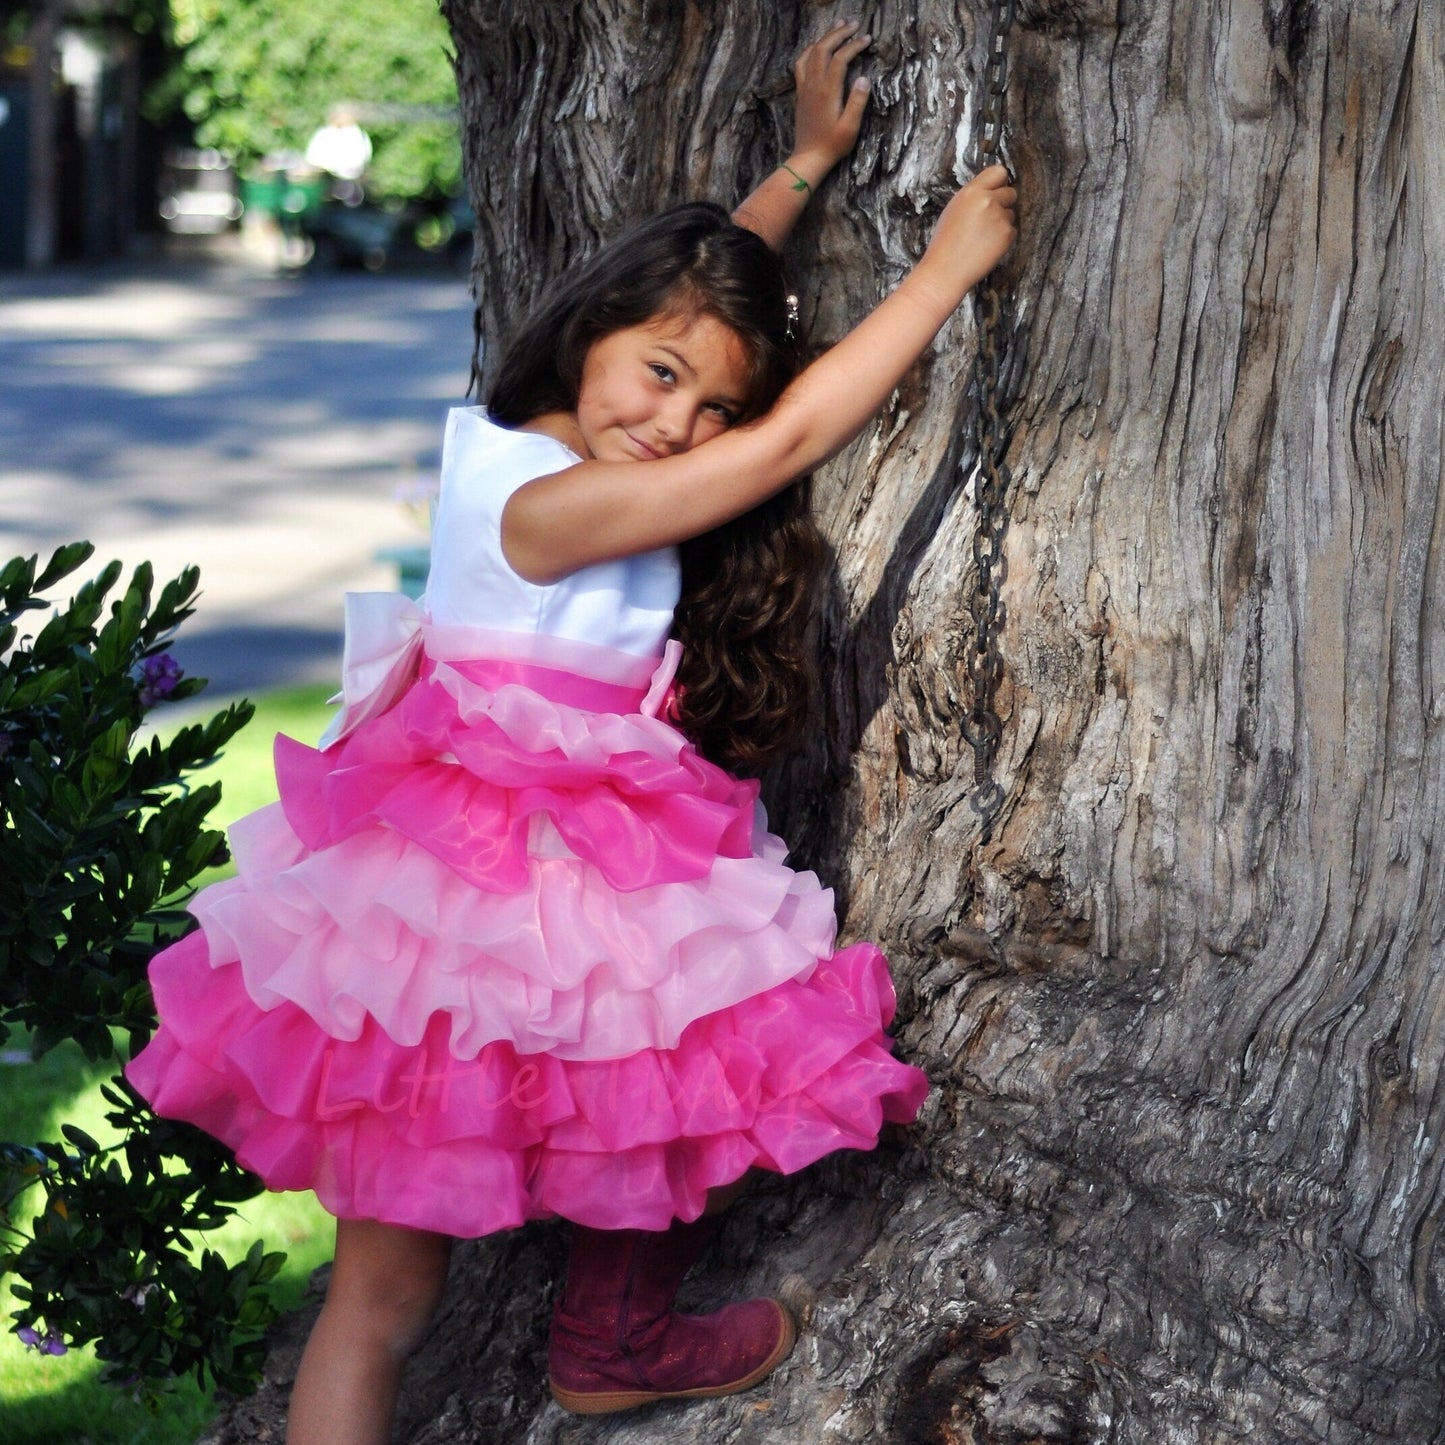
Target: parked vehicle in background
[376, 235]
[198, 192]
[297, 216]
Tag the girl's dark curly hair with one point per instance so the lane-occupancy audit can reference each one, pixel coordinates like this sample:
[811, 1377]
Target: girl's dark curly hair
[745, 683]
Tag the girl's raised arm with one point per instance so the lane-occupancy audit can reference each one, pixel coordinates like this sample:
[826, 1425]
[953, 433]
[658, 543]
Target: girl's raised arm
[597, 511]
[825, 129]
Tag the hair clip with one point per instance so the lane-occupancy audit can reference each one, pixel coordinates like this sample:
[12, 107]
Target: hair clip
[790, 331]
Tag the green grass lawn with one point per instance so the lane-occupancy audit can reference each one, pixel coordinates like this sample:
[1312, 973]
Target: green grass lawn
[49, 1400]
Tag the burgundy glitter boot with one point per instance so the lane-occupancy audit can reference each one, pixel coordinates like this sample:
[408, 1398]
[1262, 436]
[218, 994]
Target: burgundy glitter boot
[616, 1342]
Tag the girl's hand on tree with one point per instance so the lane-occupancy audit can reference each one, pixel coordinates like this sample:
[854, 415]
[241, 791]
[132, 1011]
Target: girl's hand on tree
[973, 235]
[826, 117]
[826, 129]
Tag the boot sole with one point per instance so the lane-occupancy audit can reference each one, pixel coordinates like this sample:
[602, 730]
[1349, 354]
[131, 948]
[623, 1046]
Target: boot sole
[609, 1402]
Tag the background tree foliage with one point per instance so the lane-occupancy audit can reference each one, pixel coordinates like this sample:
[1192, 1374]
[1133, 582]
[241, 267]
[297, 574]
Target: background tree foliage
[257, 77]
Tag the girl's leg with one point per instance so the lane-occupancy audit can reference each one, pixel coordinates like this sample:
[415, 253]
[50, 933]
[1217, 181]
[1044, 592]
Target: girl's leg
[385, 1287]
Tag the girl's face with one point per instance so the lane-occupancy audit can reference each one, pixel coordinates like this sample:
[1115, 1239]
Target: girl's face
[661, 388]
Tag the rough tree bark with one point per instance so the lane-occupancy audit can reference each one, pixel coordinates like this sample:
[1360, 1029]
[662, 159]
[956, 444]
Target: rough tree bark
[1179, 1179]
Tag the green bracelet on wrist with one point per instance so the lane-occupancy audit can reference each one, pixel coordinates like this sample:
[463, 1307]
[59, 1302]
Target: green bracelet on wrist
[800, 182]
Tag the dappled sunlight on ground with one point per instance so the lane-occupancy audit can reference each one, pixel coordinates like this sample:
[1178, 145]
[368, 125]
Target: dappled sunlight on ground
[259, 426]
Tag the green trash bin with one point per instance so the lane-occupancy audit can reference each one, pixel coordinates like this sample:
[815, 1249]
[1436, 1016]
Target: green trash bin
[285, 197]
[261, 194]
[302, 195]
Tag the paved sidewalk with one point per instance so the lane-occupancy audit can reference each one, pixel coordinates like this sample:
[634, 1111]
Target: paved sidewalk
[259, 426]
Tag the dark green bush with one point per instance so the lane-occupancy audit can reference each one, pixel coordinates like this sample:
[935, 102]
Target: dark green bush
[101, 837]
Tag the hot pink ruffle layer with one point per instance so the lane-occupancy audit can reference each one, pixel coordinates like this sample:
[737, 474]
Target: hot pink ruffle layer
[414, 1136]
[467, 759]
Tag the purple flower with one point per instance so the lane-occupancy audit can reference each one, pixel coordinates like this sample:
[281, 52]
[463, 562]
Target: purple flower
[49, 1343]
[158, 678]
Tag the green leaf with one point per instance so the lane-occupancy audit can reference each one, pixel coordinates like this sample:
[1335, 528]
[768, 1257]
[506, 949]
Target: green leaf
[80, 1139]
[63, 561]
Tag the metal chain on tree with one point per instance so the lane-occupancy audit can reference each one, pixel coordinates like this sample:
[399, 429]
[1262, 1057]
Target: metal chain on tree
[993, 311]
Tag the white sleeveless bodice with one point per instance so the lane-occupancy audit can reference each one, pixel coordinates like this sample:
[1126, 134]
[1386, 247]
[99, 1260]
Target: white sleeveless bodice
[626, 605]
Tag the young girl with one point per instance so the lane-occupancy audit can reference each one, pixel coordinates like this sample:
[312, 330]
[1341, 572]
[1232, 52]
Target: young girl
[513, 944]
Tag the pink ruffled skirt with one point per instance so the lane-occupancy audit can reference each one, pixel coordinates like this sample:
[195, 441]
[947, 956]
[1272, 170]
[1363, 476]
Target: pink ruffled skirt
[512, 949]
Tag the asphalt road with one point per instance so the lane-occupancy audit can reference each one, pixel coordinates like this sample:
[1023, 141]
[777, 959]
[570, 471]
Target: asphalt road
[260, 426]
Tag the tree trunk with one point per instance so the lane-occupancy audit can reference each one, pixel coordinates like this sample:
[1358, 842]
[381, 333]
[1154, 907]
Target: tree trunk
[1179, 1177]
